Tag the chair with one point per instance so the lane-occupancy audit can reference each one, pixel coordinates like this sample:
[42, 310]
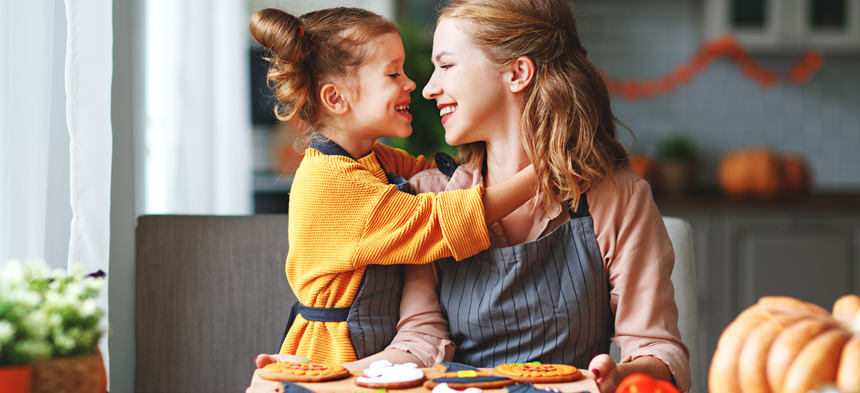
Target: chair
[686, 295]
[210, 294]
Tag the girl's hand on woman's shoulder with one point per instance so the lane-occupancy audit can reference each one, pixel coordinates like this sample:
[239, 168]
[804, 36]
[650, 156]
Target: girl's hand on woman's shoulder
[263, 359]
[605, 372]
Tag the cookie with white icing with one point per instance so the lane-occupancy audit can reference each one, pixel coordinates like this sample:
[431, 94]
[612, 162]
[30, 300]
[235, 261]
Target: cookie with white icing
[384, 374]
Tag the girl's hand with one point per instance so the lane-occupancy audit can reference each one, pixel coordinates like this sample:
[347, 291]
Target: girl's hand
[604, 371]
[263, 359]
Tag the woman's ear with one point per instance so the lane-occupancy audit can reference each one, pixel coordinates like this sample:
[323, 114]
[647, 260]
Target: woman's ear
[522, 73]
[333, 100]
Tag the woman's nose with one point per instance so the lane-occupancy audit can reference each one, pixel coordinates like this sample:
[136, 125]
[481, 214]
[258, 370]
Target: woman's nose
[431, 89]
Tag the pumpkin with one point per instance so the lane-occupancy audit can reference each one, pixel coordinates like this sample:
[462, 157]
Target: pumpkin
[762, 172]
[644, 383]
[785, 345]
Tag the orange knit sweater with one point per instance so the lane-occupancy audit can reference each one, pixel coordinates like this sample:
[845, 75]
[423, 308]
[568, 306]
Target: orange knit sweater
[344, 216]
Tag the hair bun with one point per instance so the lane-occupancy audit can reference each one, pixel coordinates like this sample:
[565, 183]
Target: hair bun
[281, 33]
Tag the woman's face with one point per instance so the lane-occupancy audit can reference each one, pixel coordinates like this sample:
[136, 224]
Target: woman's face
[467, 87]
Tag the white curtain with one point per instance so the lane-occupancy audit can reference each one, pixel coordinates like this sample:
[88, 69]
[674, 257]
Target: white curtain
[55, 133]
[198, 133]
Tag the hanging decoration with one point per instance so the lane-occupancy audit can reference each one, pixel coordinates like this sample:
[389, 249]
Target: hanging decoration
[725, 46]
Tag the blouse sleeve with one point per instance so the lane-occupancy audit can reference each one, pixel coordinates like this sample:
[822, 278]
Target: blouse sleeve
[422, 330]
[638, 258]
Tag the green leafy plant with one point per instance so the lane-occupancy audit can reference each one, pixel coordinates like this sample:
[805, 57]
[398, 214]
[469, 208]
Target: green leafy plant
[47, 313]
[428, 136]
[677, 148]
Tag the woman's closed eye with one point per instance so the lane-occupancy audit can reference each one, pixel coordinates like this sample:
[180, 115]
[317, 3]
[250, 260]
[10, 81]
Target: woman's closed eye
[446, 66]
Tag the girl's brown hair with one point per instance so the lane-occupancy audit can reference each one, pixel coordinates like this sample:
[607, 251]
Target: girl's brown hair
[569, 131]
[308, 50]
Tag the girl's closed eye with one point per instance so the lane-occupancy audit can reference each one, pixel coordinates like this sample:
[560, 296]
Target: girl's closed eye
[394, 75]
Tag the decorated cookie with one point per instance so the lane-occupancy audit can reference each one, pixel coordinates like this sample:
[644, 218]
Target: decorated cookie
[383, 374]
[448, 367]
[469, 379]
[538, 373]
[302, 372]
[444, 388]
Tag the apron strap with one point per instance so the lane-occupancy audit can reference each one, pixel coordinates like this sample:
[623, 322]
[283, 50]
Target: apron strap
[320, 314]
[582, 210]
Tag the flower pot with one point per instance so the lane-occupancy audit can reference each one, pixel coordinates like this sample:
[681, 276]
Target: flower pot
[677, 178]
[15, 379]
[76, 374]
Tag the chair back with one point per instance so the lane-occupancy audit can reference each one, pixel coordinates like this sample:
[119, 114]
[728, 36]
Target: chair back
[686, 295]
[210, 294]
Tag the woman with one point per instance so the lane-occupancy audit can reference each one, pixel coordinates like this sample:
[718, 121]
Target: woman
[587, 260]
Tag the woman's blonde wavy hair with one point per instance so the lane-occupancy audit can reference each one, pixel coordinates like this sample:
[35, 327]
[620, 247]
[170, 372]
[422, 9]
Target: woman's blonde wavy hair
[569, 131]
[308, 50]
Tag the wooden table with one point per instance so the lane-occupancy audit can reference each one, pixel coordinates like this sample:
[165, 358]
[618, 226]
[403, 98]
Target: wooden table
[260, 385]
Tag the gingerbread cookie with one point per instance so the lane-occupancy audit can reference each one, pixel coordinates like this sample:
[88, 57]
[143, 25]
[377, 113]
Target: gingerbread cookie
[538, 373]
[302, 372]
[469, 379]
[450, 367]
[384, 374]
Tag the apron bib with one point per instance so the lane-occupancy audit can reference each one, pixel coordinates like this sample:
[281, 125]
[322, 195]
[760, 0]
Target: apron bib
[545, 300]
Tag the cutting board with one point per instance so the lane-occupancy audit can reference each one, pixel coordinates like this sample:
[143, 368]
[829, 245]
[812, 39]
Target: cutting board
[260, 385]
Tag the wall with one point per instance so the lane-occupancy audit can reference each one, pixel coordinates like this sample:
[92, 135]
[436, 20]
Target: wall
[722, 109]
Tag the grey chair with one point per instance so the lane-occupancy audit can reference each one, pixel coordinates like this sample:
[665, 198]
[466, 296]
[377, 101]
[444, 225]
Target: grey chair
[210, 294]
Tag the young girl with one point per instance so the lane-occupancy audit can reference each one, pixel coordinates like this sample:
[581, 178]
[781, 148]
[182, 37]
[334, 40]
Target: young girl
[340, 70]
[588, 260]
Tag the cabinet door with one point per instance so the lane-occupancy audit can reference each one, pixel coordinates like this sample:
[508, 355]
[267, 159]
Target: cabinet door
[811, 261]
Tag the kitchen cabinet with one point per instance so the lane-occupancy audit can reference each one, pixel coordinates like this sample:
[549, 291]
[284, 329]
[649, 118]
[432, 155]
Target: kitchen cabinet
[807, 249]
[786, 25]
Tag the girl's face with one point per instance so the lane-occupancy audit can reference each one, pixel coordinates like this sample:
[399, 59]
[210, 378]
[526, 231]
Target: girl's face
[467, 87]
[383, 93]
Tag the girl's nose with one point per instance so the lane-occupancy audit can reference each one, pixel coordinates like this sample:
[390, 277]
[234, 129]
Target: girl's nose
[410, 85]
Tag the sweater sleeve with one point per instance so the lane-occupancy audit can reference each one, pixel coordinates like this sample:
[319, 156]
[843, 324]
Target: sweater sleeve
[639, 258]
[418, 229]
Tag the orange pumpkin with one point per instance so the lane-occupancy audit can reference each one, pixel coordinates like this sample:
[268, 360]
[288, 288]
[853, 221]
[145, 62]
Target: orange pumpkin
[784, 345]
[644, 383]
[762, 172]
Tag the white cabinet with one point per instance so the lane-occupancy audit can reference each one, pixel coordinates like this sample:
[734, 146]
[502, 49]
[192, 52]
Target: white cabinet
[786, 25]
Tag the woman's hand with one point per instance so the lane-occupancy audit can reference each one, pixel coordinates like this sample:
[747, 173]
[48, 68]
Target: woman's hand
[608, 375]
[605, 372]
[263, 359]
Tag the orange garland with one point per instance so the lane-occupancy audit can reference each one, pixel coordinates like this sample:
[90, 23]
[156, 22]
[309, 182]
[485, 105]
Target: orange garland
[798, 73]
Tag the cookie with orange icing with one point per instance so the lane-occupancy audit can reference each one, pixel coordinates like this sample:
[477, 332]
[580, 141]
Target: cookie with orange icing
[538, 373]
[302, 372]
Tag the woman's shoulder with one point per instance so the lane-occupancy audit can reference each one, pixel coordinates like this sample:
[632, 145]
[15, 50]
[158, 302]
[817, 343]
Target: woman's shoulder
[621, 185]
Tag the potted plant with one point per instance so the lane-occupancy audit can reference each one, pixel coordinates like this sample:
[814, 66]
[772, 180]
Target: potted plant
[678, 156]
[49, 329]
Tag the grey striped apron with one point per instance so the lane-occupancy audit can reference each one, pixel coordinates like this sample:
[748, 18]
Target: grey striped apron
[546, 300]
[373, 316]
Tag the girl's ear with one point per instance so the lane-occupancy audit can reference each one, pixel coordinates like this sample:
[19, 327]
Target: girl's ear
[521, 74]
[333, 100]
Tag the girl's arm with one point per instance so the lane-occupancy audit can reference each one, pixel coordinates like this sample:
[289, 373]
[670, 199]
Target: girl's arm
[503, 198]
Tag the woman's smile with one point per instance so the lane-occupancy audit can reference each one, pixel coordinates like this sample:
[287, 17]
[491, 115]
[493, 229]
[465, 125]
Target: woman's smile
[447, 110]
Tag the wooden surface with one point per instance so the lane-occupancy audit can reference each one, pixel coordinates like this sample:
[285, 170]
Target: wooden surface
[260, 385]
